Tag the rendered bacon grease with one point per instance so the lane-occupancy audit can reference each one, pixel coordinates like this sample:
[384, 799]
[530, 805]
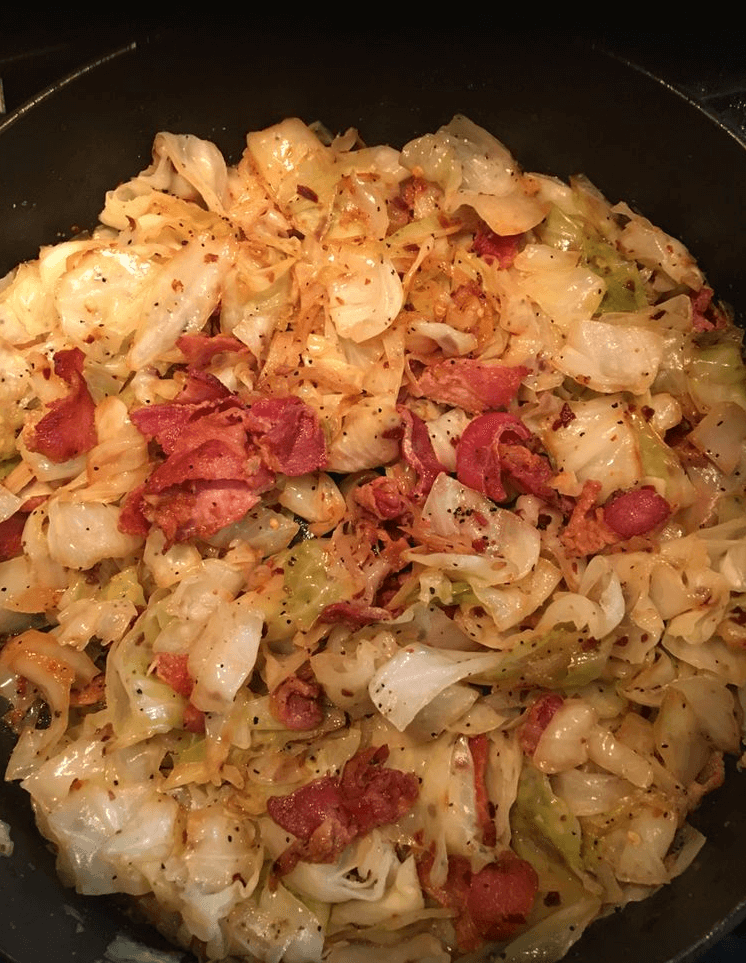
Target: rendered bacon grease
[372, 536]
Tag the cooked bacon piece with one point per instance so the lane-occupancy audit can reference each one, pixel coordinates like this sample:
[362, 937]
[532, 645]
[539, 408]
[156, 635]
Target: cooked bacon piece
[478, 463]
[587, 531]
[479, 747]
[355, 612]
[215, 459]
[418, 452]
[295, 703]
[330, 812]
[163, 423]
[501, 896]
[705, 315]
[194, 719]
[471, 385]
[199, 387]
[536, 719]
[172, 668]
[198, 509]
[289, 435]
[178, 427]
[132, 519]
[636, 512]
[68, 428]
[90, 694]
[383, 498]
[489, 905]
[11, 536]
[200, 349]
[496, 247]
[212, 476]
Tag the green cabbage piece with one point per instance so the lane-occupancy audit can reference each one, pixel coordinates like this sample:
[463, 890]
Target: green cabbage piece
[543, 826]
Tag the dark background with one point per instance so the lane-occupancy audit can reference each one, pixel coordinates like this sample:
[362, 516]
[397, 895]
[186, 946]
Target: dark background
[708, 68]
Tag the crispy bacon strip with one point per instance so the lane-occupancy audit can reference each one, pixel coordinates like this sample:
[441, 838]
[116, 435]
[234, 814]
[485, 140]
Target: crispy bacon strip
[489, 905]
[472, 385]
[479, 747]
[68, 429]
[636, 512]
[330, 812]
[418, 452]
[537, 718]
[295, 703]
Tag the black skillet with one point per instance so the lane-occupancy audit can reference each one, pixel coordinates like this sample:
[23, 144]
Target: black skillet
[562, 107]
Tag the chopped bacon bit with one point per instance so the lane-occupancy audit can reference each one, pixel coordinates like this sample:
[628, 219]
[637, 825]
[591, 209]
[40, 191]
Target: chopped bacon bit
[383, 498]
[479, 746]
[200, 349]
[198, 509]
[295, 703]
[90, 694]
[418, 452]
[537, 718]
[495, 247]
[213, 473]
[472, 385]
[705, 315]
[201, 386]
[194, 719]
[289, 435]
[11, 536]
[173, 669]
[355, 612]
[566, 417]
[328, 813]
[132, 520]
[636, 512]
[489, 905]
[478, 463]
[587, 531]
[68, 428]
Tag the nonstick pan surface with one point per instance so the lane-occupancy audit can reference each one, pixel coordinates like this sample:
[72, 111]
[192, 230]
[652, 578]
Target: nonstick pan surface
[562, 107]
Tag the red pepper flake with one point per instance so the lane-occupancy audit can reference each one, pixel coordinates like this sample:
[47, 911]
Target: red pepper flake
[566, 416]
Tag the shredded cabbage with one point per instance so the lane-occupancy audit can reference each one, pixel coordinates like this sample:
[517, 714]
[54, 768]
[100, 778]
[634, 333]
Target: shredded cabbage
[371, 549]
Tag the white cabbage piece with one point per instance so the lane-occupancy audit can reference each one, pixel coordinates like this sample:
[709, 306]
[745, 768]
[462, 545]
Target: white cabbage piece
[417, 673]
[644, 242]
[315, 497]
[108, 620]
[454, 511]
[364, 437]
[83, 533]
[181, 297]
[278, 928]
[423, 948]
[364, 289]
[402, 897]
[591, 793]
[611, 357]
[563, 744]
[473, 167]
[86, 820]
[225, 654]
[599, 444]
[615, 757]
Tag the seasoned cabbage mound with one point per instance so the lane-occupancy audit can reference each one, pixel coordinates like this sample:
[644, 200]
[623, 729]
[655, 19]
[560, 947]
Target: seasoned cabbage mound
[372, 549]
